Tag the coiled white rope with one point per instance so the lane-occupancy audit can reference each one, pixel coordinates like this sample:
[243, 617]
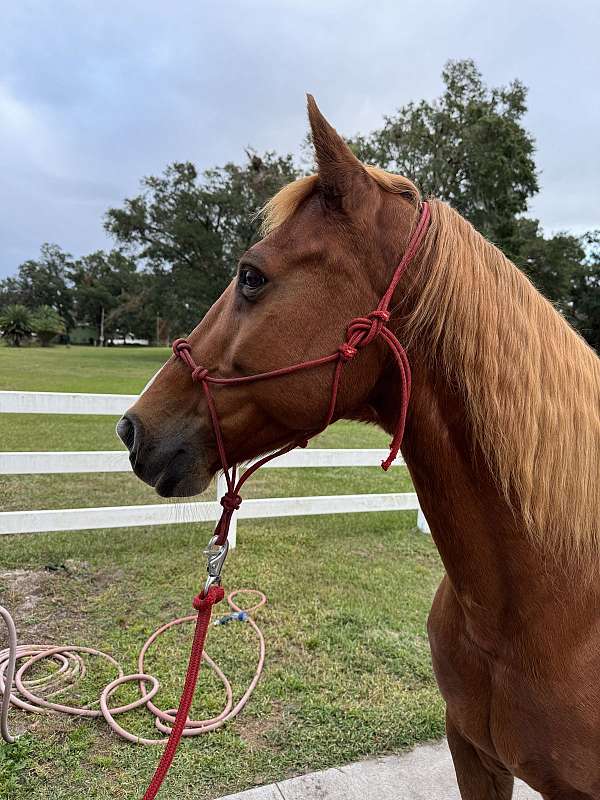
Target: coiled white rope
[35, 694]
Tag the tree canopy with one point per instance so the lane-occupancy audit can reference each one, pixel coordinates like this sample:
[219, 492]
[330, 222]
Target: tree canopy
[42, 281]
[189, 230]
[103, 284]
[178, 240]
[467, 147]
[16, 323]
[584, 310]
[47, 324]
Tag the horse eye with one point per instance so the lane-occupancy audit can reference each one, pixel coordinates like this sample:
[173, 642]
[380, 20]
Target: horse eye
[251, 280]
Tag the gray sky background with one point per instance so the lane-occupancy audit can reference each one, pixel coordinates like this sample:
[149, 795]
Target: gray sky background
[94, 95]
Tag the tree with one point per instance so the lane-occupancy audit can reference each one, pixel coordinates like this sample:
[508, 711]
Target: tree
[468, 147]
[585, 292]
[43, 282]
[553, 263]
[16, 323]
[10, 292]
[133, 315]
[100, 282]
[47, 324]
[188, 230]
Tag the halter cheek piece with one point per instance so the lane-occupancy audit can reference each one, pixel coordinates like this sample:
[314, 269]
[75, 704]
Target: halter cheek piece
[360, 332]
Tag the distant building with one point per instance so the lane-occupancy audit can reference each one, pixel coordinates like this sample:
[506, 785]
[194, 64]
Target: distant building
[87, 334]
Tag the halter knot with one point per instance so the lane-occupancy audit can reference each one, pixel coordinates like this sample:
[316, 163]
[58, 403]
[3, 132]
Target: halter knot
[199, 373]
[346, 351]
[231, 502]
[381, 314]
[179, 345]
[362, 330]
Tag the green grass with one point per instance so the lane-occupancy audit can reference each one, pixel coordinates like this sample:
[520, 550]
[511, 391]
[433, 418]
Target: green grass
[348, 672]
[110, 370]
[79, 432]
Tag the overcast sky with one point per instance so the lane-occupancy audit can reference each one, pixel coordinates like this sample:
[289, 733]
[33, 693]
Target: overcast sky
[94, 95]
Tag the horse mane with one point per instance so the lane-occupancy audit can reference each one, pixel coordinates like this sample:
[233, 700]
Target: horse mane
[530, 384]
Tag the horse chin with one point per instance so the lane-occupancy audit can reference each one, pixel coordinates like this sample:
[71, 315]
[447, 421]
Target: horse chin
[187, 484]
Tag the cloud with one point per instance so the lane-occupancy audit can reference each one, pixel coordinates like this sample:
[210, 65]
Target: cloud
[25, 131]
[94, 96]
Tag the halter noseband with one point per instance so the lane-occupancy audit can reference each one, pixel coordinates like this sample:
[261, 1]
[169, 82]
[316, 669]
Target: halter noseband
[360, 332]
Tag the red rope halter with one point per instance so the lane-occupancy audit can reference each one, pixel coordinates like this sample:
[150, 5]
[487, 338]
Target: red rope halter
[360, 332]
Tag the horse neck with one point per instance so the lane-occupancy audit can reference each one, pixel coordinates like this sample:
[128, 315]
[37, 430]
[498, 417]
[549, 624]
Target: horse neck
[494, 570]
[466, 312]
[500, 578]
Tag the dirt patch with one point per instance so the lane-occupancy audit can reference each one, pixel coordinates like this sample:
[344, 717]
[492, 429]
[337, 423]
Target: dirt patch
[41, 601]
[255, 732]
[22, 590]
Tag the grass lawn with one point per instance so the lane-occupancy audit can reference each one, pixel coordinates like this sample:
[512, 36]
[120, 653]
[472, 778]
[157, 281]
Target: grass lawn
[348, 671]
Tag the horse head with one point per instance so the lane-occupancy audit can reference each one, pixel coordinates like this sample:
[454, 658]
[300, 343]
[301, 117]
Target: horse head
[331, 243]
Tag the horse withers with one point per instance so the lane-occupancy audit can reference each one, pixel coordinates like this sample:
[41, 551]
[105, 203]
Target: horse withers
[502, 442]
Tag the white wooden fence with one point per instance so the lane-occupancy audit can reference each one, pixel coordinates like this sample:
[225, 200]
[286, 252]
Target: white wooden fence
[28, 463]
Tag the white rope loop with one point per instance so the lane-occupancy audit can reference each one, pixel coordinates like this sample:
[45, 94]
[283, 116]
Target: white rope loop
[34, 694]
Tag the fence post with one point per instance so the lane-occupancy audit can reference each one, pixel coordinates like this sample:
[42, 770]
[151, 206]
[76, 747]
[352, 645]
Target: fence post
[221, 489]
[422, 523]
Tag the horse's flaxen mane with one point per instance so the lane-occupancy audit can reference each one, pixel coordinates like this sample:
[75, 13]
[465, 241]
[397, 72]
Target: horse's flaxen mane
[531, 385]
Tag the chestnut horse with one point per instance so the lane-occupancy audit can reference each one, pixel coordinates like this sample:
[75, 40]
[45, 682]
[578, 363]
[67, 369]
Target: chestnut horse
[502, 443]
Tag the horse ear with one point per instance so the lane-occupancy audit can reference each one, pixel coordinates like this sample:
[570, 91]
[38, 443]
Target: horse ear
[338, 167]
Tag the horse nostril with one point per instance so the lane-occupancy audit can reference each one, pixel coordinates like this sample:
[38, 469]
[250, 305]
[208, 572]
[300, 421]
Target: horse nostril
[126, 431]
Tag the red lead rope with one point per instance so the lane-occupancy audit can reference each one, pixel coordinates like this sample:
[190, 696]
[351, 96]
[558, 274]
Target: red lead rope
[204, 605]
[360, 332]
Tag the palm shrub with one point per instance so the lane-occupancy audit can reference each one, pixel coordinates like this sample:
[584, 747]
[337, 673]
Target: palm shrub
[16, 323]
[47, 324]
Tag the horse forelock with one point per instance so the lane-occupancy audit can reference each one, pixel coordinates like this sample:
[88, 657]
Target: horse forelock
[288, 199]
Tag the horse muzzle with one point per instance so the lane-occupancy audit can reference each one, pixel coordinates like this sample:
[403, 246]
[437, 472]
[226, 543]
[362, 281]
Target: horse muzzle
[173, 464]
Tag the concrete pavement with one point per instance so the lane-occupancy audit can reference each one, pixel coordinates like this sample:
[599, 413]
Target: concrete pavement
[425, 773]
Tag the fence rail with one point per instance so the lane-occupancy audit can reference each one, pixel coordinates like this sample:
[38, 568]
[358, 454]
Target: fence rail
[75, 519]
[65, 403]
[35, 463]
[31, 463]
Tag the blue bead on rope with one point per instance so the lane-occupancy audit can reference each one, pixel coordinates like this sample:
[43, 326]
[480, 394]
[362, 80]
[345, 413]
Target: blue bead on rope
[236, 616]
